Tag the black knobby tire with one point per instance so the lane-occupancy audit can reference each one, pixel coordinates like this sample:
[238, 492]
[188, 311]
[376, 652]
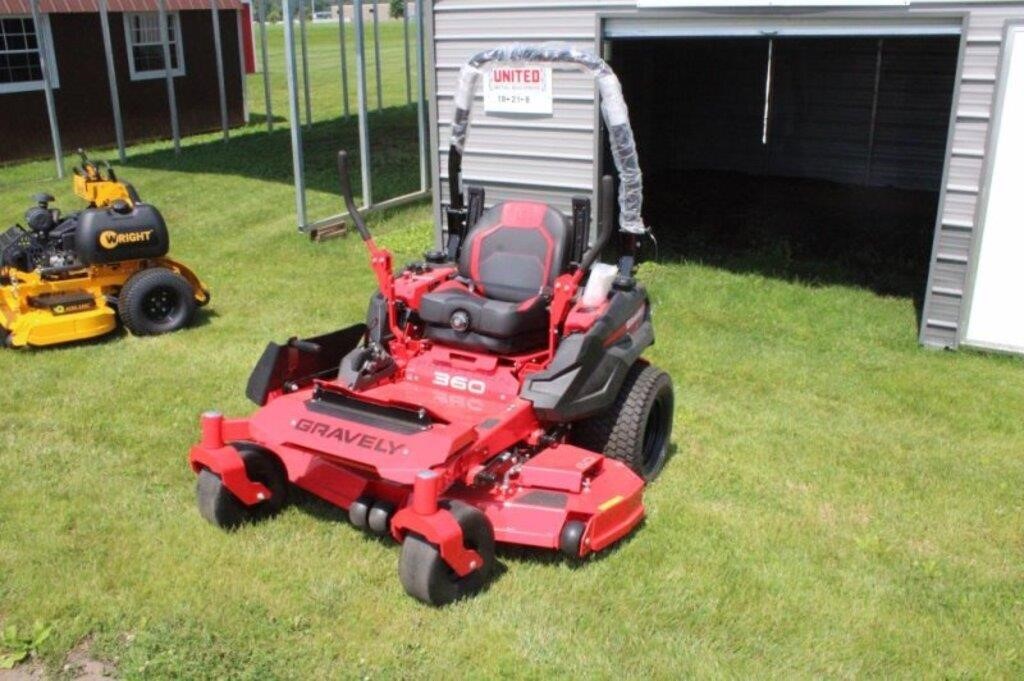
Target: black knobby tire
[637, 428]
[223, 509]
[423, 572]
[155, 301]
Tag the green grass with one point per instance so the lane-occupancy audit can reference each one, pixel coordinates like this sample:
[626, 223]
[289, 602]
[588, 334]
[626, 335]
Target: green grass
[840, 502]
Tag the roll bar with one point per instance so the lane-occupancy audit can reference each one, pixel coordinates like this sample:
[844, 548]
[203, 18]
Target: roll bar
[607, 194]
[613, 110]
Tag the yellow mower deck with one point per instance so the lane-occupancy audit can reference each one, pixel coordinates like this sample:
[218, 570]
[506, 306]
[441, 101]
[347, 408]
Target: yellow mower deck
[39, 311]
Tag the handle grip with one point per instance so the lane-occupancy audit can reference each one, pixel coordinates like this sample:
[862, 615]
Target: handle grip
[346, 193]
[304, 346]
[606, 222]
[455, 177]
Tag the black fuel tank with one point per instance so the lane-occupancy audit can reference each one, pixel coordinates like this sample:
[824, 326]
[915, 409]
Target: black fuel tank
[105, 235]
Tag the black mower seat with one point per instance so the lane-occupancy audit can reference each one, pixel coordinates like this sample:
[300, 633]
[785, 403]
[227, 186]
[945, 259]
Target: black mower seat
[508, 264]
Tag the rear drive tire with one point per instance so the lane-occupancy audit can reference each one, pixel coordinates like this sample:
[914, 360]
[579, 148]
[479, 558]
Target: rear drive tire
[222, 508]
[637, 428]
[423, 572]
[156, 301]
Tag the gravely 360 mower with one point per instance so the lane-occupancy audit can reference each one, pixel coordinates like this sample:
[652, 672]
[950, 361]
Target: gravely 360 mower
[68, 278]
[489, 397]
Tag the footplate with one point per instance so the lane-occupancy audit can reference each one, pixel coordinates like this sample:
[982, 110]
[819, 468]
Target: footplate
[63, 303]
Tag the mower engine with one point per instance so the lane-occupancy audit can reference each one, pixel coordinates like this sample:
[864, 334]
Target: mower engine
[94, 236]
[46, 243]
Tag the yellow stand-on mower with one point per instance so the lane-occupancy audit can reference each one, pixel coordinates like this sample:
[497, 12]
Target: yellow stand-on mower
[68, 278]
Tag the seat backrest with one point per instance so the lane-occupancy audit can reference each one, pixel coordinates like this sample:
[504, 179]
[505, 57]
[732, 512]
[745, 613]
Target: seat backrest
[515, 249]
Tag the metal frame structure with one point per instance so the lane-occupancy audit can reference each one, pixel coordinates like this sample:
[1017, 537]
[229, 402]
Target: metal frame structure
[172, 102]
[953, 20]
[219, 54]
[115, 99]
[362, 112]
[265, 62]
[51, 107]
[292, 61]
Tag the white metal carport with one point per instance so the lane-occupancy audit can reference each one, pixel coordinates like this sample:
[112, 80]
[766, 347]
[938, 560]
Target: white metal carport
[558, 156]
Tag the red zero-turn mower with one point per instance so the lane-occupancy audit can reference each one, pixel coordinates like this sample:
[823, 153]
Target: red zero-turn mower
[496, 392]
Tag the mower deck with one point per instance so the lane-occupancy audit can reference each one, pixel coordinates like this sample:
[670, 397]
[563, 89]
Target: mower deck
[344, 446]
[39, 311]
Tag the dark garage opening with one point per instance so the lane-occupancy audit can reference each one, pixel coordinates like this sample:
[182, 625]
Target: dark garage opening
[818, 159]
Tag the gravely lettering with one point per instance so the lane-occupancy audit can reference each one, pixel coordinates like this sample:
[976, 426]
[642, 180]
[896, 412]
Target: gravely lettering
[349, 437]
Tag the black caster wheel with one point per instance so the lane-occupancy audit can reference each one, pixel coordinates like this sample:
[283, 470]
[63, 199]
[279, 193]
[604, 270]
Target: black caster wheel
[425, 575]
[222, 508]
[571, 538]
[379, 520]
[359, 511]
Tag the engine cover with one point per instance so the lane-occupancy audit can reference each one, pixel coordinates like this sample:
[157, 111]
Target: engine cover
[105, 235]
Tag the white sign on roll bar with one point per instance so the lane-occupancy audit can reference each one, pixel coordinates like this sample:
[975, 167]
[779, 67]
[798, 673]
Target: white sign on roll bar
[518, 90]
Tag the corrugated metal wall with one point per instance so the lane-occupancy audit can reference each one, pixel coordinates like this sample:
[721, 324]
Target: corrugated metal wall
[553, 157]
[548, 158]
[865, 111]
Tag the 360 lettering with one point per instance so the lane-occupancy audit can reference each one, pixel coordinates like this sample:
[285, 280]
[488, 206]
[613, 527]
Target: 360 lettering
[470, 385]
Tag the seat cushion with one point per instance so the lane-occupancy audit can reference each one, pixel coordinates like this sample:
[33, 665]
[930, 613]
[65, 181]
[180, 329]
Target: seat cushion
[477, 342]
[509, 261]
[515, 249]
[490, 317]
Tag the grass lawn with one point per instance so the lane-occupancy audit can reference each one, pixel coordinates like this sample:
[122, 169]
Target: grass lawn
[840, 502]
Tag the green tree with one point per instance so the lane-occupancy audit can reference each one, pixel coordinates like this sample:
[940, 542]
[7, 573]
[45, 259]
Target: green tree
[396, 9]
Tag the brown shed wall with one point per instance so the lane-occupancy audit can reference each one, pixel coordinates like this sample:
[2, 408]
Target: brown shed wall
[83, 98]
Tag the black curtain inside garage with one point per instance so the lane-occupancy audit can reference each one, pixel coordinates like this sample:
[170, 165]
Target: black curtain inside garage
[816, 158]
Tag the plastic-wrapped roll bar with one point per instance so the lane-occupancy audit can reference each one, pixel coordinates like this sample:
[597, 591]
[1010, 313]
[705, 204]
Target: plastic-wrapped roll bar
[613, 109]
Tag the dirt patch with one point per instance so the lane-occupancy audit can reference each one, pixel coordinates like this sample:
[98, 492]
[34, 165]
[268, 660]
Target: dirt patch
[78, 666]
[23, 672]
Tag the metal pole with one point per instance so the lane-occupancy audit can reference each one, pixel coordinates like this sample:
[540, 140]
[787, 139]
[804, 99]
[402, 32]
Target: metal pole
[874, 112]
[405, 42]
[344, 58]
[240, 29]
[376, 52]
[215, 15]
[421, 98]
[51, 107]
[767, 91]
[115, 100]
[305, 62]
[294, 122]
[172, 102]
[364, 132]
[266, 64]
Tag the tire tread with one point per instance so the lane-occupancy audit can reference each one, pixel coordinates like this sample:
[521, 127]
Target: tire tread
[128, 304]
[616, 431]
